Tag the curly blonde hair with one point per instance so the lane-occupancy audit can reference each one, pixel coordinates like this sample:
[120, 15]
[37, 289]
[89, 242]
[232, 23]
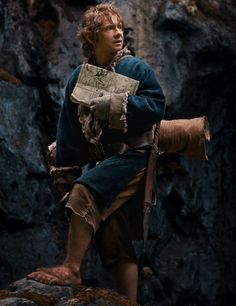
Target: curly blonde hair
[91, 22]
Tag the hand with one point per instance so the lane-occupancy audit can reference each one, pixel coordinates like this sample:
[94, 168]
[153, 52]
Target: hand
[63, 177]
[100, 107]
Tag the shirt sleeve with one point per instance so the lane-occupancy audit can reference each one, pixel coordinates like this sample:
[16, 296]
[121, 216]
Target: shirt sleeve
[147, 106]
[72, 148]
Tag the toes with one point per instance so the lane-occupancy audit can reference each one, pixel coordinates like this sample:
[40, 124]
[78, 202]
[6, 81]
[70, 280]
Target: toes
[52, 280]
[31, 275]
[54, 276]
[42, 277]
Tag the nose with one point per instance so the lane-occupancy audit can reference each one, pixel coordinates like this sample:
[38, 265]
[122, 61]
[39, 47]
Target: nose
[118, 31]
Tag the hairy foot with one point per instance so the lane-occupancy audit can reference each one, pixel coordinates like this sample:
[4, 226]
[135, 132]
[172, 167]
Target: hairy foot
[60, 275]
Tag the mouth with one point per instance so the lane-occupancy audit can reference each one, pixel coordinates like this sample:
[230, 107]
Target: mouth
[118, 42]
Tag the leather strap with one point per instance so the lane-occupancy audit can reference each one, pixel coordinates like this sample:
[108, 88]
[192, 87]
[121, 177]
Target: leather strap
[149, 202]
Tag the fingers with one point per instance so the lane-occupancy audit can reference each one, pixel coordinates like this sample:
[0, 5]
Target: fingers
[102, 98]
[101, 94]
[96, 101]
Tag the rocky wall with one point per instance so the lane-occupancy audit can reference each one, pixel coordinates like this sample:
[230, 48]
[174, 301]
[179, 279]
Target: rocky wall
[191, 46]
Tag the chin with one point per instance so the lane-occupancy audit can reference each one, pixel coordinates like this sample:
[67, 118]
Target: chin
[119, 48]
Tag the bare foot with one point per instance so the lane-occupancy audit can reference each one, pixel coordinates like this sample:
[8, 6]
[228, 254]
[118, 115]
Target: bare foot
[60, 275]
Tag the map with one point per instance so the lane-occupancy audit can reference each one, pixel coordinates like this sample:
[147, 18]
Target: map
[94, 81]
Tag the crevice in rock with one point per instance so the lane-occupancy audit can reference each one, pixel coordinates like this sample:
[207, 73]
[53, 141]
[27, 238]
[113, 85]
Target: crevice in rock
[11, 224]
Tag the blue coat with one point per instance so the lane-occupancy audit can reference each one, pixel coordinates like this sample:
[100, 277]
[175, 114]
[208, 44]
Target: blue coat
[144, 109]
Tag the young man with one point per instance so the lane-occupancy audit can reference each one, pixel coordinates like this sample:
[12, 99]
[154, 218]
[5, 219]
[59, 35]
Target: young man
[102, 37]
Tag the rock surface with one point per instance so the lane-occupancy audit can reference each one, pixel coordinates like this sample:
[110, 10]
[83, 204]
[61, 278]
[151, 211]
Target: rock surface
[192, 47]
[27, 292]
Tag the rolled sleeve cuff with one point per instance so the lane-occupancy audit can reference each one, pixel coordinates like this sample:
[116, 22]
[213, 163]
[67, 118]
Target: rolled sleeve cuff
[118, 112]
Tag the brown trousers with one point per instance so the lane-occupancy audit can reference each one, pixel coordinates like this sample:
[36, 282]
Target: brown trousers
[114, 227]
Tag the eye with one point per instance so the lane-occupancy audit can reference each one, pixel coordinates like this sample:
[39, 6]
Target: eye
[120, 26]
[110, 27]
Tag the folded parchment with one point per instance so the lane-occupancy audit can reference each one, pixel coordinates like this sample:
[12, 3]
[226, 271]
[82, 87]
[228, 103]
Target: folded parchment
[93, 80]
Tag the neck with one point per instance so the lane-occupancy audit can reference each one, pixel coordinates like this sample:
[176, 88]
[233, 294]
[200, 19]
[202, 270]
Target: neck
[103, 60]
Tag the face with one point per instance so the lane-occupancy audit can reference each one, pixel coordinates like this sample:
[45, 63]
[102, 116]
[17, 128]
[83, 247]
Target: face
[110, 38]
